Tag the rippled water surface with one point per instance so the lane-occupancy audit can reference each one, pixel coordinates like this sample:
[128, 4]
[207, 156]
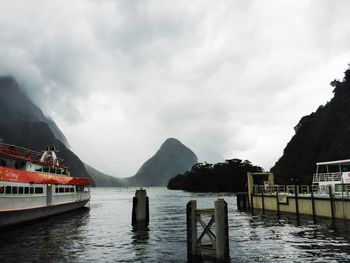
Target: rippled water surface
[103, 233]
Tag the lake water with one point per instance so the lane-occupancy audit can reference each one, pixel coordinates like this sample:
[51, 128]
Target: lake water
[103, 233]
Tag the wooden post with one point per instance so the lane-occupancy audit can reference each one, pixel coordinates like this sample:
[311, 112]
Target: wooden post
[140, 208]
[313, 205]
[331, 200]
[262, 201]
[221, 229]
[296, 202]
[245, 202]
[277, 204]
[239, 197]
[191, 221]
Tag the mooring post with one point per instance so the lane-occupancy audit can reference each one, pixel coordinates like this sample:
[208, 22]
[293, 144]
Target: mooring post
[140, 208]
[191, 220]
[296, 202]
[221, 229]
[313, 204]
[262, 202]
[277, 204]
[331, 199]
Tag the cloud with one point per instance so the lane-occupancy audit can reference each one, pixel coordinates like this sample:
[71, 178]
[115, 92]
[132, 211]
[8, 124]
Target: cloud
[230, 79]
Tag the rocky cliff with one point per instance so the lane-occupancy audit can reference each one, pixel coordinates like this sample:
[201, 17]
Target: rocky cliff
[23, 123]
[323, 135]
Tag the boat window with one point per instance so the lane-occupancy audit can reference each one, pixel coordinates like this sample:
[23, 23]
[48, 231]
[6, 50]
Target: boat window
[56, 189]
[31, 190]
[26, 190]
[66, 190]
[80, 188]
[14, 189]
[345, 168]
[8, 190]
[72, 189]
[3, 163]
[61, 190]
[2, 189]
[20, 190]
[38, 190]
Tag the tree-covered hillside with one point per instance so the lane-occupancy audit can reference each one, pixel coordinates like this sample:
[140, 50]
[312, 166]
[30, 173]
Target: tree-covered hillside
[321, 136]
[230, 176]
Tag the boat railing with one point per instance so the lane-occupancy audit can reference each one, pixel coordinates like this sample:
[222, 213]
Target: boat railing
[302, 190]
[327, 177]
[27, 154]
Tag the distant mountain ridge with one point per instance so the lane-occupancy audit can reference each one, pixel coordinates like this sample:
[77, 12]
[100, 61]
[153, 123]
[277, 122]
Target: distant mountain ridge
[102, 179]
[323, 135]
[171, 159]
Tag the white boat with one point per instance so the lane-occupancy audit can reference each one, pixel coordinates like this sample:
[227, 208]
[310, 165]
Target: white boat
[35, 185]
[334, 174]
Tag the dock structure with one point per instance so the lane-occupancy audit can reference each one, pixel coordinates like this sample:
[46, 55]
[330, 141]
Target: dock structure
[209, 243]
[331, 201]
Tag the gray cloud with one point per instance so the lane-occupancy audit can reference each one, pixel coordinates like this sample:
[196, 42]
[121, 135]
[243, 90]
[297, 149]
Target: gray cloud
[228, 79]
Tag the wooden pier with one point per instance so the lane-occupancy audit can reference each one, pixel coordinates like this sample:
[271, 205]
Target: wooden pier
[295, 199]
[217, 242]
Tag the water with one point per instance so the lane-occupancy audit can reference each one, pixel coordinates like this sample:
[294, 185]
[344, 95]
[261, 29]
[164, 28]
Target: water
[103, 233]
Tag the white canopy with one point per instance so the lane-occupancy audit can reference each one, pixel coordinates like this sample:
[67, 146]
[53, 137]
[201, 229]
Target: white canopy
[347, 161]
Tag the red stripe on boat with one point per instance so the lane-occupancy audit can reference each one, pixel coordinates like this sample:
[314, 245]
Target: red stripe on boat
[20, 176]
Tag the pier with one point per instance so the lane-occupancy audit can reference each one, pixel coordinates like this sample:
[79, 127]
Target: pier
[216, 244]
[329, 201]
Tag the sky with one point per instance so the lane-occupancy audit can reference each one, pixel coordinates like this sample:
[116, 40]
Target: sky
[229, 78]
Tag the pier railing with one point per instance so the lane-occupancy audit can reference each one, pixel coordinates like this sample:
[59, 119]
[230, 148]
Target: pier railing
[341, 190]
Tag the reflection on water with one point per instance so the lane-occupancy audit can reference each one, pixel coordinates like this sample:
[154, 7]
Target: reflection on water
[45, 240]
[104, 233]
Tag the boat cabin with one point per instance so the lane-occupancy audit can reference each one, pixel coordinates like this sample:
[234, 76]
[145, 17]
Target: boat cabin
[332, 173]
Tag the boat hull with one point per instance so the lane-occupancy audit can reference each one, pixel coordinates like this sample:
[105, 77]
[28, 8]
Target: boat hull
[17, 216]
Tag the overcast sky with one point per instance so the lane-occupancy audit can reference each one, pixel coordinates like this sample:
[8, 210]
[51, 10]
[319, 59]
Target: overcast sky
[230, 79]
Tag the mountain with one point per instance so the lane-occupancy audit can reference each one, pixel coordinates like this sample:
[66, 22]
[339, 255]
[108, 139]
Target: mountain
[23, 123]
[323, 135]
[103, 180]
[171, 159]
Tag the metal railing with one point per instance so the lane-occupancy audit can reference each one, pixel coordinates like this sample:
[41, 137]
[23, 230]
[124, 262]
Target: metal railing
[338, 189]
[327, 177]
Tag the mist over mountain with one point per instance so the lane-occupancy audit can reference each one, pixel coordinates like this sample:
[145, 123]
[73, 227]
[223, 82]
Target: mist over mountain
[102, 179]
[22, 123]
[171, 159]
[323, 135]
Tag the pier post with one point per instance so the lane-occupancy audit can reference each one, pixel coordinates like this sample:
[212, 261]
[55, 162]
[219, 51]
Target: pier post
[262, 201]
[296, 202]
[221, 229]
[140, 208]
[313, 204]
[191, 220]
[331, 200]
[277, 204]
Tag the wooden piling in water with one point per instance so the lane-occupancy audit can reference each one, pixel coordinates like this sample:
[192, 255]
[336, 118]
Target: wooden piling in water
[140, 208]
[278, 204]
[313, 205]
[262, 202]
[191, 222]
[221, 229]
[331, 200]
[296, 202]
